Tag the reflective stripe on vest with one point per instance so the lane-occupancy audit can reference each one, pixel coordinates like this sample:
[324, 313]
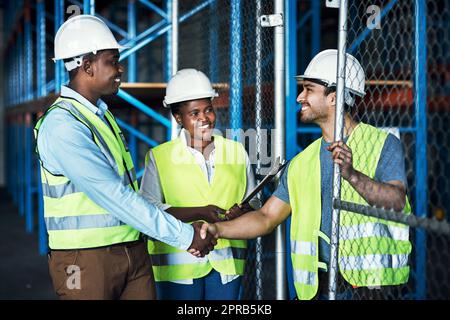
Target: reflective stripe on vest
[373, 229]
[305, 277]
[371, 251]
[82, 222]
[373, 261]
[303, 247]
[184, 185]
[73, 220]
[61, 190]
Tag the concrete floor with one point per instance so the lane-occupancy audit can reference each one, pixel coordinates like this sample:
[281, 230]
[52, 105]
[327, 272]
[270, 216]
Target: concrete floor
[23, 272]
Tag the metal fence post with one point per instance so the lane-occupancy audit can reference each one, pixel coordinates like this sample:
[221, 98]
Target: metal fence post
[279, 148]
[258, 124]
[291, 111]
[338, 133]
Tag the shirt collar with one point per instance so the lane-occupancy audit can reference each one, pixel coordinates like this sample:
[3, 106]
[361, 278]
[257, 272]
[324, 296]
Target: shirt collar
[99, 109]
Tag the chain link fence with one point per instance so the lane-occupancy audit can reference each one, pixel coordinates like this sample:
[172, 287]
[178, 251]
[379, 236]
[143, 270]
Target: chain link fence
[223, 39]
[238, 57]
[378, 257]
[227, 43]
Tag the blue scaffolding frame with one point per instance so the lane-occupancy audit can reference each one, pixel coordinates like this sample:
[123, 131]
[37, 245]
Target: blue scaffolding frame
[23, 178]
[23, 183]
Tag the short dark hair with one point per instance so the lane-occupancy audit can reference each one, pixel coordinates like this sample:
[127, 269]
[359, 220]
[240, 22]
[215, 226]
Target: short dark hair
[91, 57]
[332, 89]
[175, 107]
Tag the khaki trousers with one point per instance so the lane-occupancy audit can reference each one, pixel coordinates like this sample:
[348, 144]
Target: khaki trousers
[121, 271]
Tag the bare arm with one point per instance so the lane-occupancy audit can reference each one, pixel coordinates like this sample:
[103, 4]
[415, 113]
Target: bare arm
[390, 195]
[252, 224]
[210, 213]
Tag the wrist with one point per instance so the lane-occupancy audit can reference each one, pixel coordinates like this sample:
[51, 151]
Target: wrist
[354, 177]
[219, 229]
[199, 213]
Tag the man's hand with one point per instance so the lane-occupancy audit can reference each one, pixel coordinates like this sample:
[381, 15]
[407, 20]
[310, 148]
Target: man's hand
[237, 211]
[389, 194]
[342, 155]
[201, 246]
[209, 229]
[212, 213]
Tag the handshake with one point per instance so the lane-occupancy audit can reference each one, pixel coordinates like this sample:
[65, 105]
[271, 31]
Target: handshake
[204, 242]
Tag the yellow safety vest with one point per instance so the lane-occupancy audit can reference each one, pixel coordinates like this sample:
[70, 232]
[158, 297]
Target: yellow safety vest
[372, 252]
[185, 185]
[73, 220]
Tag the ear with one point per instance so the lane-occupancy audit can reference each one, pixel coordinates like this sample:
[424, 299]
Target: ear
[332, 99]
[177, 117]
[88, 67]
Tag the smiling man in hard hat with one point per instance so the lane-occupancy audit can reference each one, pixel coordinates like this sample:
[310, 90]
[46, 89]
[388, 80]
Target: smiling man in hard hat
[93, 212]
[372, 252]
[195, 177]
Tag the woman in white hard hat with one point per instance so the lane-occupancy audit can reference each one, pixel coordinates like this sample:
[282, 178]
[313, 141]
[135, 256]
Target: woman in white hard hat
[197, 177]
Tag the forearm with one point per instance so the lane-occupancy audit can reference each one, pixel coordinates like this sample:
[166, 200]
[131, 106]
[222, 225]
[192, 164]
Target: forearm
[248, 226]
[141, 214]
[378, 194]
[68, 146]
[103, 186]
[186, 214]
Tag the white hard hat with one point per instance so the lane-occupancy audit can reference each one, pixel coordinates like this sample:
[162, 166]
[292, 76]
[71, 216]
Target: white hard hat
[323, 67]
[188, 84]
[81, 35]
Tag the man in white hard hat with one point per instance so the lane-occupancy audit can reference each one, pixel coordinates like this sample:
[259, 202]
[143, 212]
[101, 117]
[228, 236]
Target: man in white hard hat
[196, 177]
[93, 212]
[372, 252]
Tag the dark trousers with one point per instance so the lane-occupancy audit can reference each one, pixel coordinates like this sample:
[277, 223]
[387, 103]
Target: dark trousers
[121, 271]
[209, 287]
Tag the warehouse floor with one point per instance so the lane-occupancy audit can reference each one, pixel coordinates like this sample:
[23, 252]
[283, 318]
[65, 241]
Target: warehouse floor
[23, 272]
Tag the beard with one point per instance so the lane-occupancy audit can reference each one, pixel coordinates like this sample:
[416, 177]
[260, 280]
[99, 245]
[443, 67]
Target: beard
[313, 115]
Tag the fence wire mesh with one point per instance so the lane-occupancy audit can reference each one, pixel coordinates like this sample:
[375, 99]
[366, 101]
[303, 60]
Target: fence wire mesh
[380, 258]
[210, 42]
[226, 42]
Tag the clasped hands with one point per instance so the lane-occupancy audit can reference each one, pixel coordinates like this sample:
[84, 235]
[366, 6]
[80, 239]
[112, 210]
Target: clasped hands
[204, 242]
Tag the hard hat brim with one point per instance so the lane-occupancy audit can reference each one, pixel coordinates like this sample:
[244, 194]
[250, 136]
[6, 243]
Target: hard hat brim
[327, 84]
[211, 95]
[120, 48]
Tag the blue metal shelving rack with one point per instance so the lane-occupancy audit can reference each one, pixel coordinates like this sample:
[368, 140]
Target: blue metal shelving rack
[26, 53]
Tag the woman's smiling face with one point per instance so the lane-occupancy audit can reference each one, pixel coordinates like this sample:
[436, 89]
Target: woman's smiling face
[198, 118]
